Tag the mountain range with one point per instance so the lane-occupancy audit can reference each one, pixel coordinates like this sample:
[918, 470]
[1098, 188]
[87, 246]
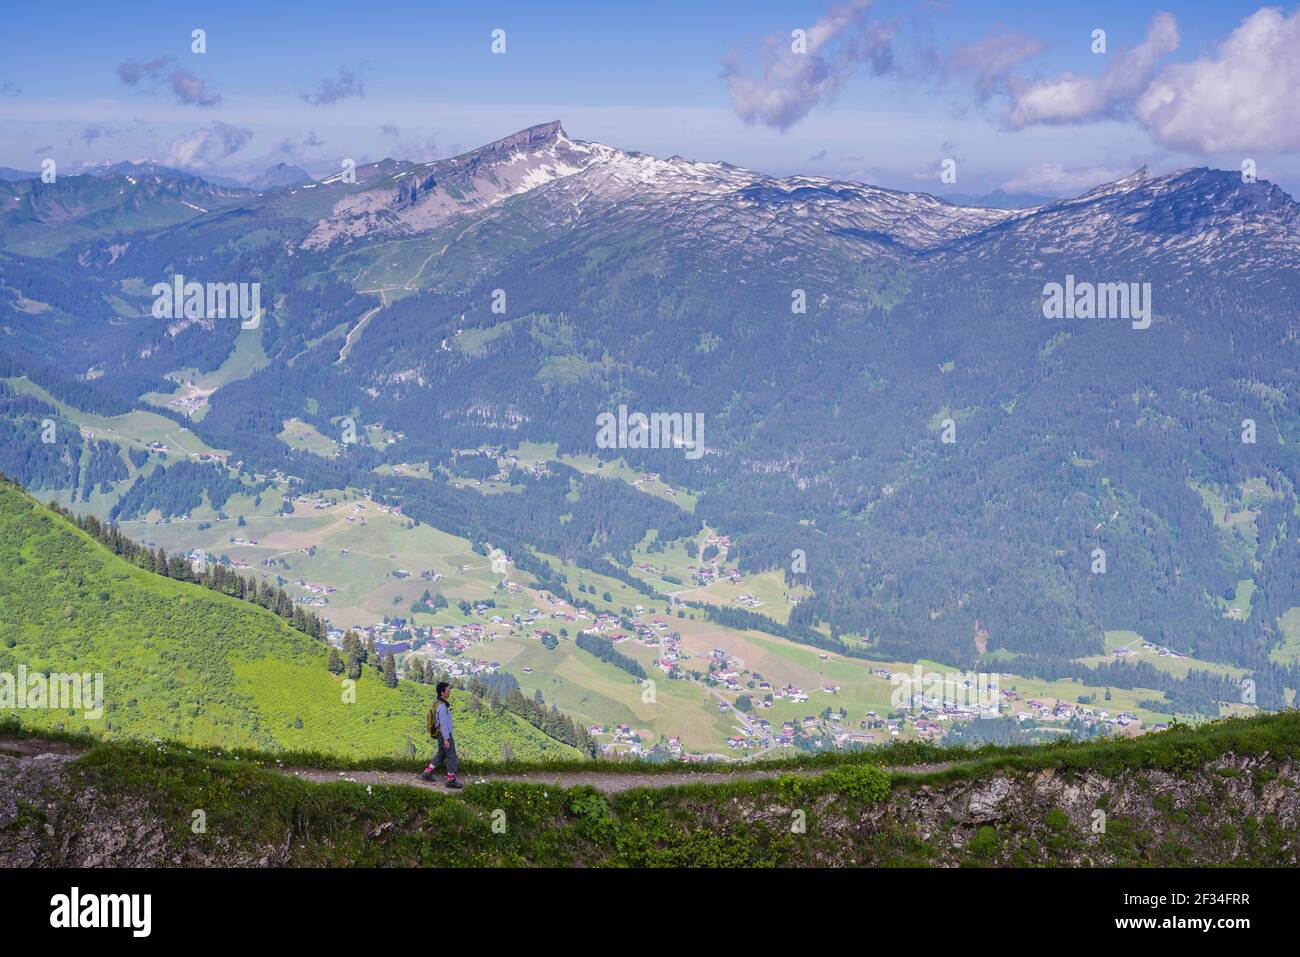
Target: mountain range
[882, 391]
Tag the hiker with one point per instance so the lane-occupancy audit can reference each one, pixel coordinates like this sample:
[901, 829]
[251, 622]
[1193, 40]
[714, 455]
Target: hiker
[440, 729]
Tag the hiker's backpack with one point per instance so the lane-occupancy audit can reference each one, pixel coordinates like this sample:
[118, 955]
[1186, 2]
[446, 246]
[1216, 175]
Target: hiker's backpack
[431, 719]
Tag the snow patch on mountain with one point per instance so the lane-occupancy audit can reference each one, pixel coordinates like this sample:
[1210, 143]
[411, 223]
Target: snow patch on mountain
[597, 176]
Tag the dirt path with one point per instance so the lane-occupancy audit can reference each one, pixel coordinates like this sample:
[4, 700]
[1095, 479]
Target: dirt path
[609, 782]
[355, 331]
[410, 283]
[30, 747]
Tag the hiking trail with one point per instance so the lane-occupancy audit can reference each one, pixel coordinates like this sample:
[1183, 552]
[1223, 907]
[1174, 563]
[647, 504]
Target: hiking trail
[608, 782]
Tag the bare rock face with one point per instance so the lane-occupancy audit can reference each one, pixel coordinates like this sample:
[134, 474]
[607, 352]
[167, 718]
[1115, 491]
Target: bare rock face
[50, 818]
[1067, 818]
[989, 802]
[31, 790]
[534, 135]
[423, 198]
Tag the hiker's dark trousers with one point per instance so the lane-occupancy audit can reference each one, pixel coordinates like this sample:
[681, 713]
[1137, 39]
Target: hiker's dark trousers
[446, 755]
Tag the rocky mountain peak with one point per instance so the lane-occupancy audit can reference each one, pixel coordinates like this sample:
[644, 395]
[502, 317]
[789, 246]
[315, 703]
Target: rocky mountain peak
[540, 135]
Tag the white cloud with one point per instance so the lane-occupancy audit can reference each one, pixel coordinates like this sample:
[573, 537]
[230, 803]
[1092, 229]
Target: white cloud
[190, 89]
[1071, 98]
[331, 89]
[187, 87]
[208, 145]
[94, 131]
[790, 84]
[1055, 179]
[990, 59]
[1245, 98]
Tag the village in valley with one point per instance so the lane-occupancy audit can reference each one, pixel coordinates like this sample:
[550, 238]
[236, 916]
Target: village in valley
[649, 677]
[741, 695]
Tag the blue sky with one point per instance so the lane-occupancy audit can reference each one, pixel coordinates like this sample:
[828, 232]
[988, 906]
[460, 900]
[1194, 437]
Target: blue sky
[1011, 91]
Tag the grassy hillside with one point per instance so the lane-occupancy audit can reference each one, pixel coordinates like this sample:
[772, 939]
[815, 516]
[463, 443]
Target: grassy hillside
[184, 663]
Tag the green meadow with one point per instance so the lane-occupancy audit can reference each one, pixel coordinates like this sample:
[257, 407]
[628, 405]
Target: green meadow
[184, 663]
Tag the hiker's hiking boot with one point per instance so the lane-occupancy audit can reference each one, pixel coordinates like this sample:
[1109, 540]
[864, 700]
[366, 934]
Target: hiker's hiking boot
[427, 773]
[453, 783]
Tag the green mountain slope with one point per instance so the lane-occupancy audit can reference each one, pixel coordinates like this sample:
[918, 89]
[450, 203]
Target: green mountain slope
[187, 664]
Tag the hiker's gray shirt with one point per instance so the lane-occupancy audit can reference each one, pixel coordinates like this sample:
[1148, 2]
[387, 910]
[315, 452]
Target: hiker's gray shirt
[442, 715]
